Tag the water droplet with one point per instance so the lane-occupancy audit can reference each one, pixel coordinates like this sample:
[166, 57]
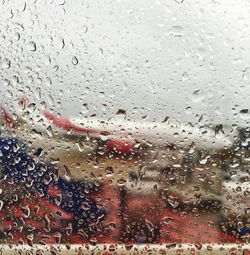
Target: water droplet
[67, 173]
[204, 160]
[85, 108]
[47, 222]
[198, 96]
[57, 237]
[50, 100]
[176, 31]
[9, 93]
[246, 74]
[1, 205]
[38, 93]
[31, 46]
[80, 146]
[61, 2]
[5, 63]
[26, 211]
[69, 229]
[74, 60]
[48, 82]
[109, 171]
[85, 29]
[43, 105]
[121, 112]
[49, 131]
[189, 109]
[47, 60]
[201, 53]
[121, 182]
[59, 42]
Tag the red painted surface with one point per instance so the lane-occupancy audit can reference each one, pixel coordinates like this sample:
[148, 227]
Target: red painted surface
[113, 145]
[178, 229]
[66, 124]
[121, 146]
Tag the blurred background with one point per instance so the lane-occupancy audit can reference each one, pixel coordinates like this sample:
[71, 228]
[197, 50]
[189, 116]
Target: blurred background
[149, 61]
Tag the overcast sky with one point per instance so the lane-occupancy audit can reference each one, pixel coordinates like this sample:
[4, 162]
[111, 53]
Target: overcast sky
[152, 58]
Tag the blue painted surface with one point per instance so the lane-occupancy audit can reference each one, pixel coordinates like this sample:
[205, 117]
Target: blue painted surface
[19, 167]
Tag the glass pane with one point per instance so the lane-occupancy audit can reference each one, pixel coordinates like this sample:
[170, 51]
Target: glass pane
[125, 126]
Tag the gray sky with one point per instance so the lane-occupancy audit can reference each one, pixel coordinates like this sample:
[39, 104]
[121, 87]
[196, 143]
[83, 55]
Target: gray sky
[152, 58]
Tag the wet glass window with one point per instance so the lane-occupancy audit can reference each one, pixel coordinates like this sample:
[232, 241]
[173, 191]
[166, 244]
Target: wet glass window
[124, 127]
